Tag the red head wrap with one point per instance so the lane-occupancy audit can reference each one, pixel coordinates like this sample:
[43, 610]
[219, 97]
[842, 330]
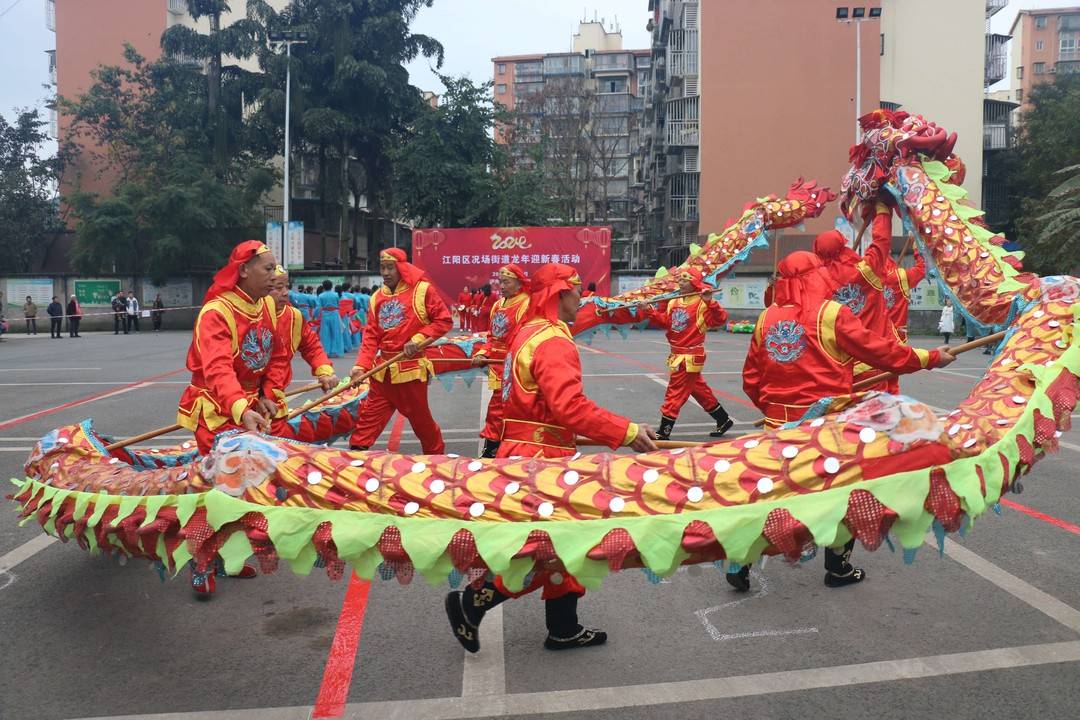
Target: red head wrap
[803, 281]
[832, 247]
[228, 276]
[515, 271]
[409, 272]
[694, 275]
[547, 282]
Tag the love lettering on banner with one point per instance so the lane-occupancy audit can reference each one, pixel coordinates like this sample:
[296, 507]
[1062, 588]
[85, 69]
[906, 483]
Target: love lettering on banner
[456, 257]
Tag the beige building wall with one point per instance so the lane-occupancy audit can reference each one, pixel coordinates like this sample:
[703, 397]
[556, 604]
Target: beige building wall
[935, 69]
[593, 36]
[238, 11]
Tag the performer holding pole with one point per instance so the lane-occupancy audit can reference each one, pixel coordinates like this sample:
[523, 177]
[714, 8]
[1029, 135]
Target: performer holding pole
[804, 348]
[545, 409]
[404, 312]
[505, 317]
[231, 347]
[898, 283]
[686, 321]
[291, 334]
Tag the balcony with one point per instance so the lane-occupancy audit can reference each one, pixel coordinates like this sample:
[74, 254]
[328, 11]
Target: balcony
[50, 15]
[52, 66]
[682, 53]
[612, 62]
[995, 6]
[995, 137]
[528, 72]
[178, 7]
[564, 65]
[613, 103]
[1067, 67]
[997, 58]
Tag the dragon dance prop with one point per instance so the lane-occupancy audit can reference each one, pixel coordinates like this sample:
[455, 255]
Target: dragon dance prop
[720, 254]
[862, 466]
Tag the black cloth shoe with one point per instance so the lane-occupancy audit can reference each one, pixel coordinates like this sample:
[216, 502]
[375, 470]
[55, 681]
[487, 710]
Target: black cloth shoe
[585, 637]
[466, 633]
[359, 448]
[723, 421]
[490, 448]
[739, 580]
[667, 424]
[839, 572]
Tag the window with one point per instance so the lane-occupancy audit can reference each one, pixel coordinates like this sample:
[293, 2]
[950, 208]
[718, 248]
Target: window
[1019, 95]
[502, 68]
[500, 89]
[1019, 72]
[1040, 22]
[1068, 47]
[882, 51]
[1039, 45]
[1039, 68]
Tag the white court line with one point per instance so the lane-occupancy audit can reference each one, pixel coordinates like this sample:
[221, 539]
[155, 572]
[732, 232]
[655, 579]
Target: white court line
[97, 398]
[98, 382]
[1025, 592]
[24, 552]
[658, 694]
[763, 590]
[959, 374]
[1070, 446]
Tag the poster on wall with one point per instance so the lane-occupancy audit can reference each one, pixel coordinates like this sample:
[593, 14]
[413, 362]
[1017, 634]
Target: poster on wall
[456, 257]
[294, 246]
[273, 238]
[174, 293]
[40, 291]
[96, 292]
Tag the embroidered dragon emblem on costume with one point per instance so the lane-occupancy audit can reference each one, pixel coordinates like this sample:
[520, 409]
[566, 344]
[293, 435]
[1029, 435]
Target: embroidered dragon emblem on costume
[785, 341]
[255, 350]
[680, 319]
[391, 314]
[508, 365]
[852, 296]
[890, 297]
[500, 325]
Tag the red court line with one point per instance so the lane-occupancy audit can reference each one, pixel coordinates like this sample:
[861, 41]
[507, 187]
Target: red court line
[75, 403]
[338, 673]
[337, 676]
[655, 369]
[1063, 524]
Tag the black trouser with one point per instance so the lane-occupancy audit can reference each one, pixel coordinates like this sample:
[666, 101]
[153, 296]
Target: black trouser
[31, 325]
[118, 323]
[157, 321]
[132, 321]
[56, 325]
[73, 326]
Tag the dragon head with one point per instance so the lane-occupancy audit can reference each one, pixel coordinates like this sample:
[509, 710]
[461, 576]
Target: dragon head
[891, 138]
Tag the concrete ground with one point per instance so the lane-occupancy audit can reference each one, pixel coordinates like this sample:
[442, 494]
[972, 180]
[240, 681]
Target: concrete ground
[990, 629]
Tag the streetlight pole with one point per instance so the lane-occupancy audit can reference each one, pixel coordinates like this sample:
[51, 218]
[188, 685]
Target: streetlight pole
[858, 94]
[857, 15]
[288, 39]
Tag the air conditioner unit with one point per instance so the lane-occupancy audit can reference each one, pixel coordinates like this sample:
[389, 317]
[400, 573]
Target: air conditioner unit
[1053, 70]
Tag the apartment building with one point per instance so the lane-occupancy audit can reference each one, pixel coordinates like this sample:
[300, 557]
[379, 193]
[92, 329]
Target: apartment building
[547, 86]
[1045, 43]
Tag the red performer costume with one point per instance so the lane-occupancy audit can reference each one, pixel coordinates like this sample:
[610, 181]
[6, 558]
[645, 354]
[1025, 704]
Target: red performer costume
[402, 315]
[857, 282]
[897, 283]
[545, 409]
[231, 346]
[475, 303]
[292, 334]
[487, 306]
[805, 346]
[506, 315]
[803, 349]
[686, 321]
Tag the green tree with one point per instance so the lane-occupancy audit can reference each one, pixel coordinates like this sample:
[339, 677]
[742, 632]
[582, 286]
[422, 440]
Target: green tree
[170, 209]
[451, 173]
[1049, 140]
[352, 100]
[225, 83]
[28, 182]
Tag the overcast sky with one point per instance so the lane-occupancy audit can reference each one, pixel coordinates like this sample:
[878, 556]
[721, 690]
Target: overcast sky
[472, 31]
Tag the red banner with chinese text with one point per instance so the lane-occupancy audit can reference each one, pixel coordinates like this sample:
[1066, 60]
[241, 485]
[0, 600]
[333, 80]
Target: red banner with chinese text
[454, 258]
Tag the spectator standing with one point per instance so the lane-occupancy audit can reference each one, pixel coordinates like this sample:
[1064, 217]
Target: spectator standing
[30, 313]
[156, 313]
[74, 316]
[132, 307]
[947, 322]
[119, 307]
[56, 317]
